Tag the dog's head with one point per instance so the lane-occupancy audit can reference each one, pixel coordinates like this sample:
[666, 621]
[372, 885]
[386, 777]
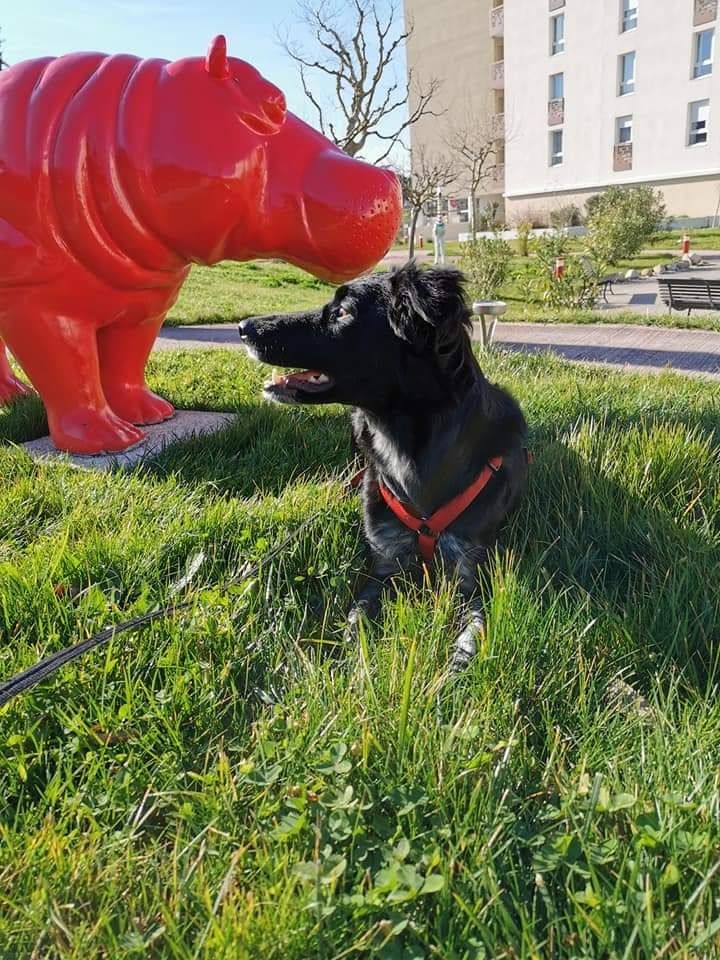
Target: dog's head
[386, 338]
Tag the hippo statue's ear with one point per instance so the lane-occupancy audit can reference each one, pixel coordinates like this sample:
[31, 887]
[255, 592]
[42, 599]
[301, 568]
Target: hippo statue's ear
[216, 62]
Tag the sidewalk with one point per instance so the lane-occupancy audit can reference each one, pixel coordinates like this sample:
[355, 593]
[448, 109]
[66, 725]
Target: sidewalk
[626, 346]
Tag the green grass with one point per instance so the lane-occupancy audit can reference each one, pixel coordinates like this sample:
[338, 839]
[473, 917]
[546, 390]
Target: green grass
[231, 291]
[225, 785]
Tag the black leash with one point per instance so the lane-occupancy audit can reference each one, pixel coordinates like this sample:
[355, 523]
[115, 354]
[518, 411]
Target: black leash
[39, 671]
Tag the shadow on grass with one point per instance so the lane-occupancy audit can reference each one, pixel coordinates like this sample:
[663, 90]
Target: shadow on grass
[585, 531]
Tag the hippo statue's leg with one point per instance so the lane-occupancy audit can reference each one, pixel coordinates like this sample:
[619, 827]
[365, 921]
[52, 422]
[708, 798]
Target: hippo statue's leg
[10, 387]
[60, 357]
[124, 351]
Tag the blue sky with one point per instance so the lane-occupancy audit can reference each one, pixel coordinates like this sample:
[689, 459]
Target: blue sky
[153, 28]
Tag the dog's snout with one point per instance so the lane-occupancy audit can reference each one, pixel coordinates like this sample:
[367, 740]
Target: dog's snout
[246, 329]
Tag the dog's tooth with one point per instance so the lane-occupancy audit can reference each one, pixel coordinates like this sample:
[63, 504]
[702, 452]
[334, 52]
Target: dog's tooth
[320, 378]
[276, 378]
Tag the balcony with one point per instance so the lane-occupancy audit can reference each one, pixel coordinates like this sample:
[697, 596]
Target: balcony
[705, 11]
[497, 21]
[622, 156]
[556, 112]
[497, 126]
[497, 75]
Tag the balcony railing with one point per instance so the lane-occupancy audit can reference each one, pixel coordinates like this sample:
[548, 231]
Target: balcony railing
[497, 75]
[556, 112]
[497, 21]
[705, 11]
[622, 156]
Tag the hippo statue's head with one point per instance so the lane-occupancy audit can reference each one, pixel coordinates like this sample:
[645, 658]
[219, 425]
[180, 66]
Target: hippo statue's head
[235, 176]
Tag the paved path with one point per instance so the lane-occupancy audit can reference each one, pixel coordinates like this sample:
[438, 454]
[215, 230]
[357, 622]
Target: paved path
[631, 347]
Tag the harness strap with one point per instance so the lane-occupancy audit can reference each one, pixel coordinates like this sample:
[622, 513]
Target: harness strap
[429, 528]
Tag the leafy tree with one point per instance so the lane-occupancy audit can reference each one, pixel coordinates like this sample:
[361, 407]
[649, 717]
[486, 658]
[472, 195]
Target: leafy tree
[621, 220]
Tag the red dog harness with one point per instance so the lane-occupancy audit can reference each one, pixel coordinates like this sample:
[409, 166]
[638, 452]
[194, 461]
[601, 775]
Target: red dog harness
[429, 528]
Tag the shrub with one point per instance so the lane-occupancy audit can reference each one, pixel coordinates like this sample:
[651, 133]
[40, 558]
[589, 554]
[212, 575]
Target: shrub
[568, 215]
[486, 263]
[488, 216]
[577, 289]
[524, 229]
[620, 220]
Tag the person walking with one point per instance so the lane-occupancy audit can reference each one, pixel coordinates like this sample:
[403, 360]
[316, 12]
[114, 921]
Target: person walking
[439, 239]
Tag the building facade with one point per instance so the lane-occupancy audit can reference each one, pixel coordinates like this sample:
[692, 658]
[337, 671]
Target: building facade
[452, 41]
[594, 92]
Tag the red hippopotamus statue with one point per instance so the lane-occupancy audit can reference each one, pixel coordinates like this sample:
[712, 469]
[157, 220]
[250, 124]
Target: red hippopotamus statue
[115, 175]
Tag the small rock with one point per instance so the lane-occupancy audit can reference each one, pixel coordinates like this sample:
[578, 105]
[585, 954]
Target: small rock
[696, 259]
[648, 272]
[660, 268]
[632, 275]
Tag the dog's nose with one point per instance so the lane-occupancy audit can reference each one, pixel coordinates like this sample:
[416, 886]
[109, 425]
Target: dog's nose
[246, 329]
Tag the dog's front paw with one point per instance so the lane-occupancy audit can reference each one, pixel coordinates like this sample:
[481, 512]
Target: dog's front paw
[352, 624]
[465, 646]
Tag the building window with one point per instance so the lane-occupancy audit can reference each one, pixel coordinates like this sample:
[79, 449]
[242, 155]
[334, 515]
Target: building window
[704, 49]
[623, 130]
[629, 11]
[557, 86]
[626, 71]
[699, 114]
[556, 148]
[557, 34]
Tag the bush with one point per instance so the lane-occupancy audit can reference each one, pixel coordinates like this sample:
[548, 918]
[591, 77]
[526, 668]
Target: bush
[486, 263]
[524, 229]
[621, 220]
[568, 215]
[577, 289]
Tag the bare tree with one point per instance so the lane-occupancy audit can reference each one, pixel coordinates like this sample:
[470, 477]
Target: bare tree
[3, 62]
[428, 174]
[473, 146]
[354, 46]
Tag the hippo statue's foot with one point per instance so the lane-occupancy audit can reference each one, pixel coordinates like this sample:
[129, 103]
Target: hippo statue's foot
[12, 389]
[91, 432]
[138, 404]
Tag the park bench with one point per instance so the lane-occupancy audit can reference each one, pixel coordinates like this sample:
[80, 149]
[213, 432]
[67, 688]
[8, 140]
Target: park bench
[689, 293]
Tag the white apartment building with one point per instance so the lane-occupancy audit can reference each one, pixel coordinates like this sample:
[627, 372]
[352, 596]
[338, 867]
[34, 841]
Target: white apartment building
[593, 93]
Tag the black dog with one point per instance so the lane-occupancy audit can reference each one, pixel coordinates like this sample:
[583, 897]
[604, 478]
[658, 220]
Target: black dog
[429, 425]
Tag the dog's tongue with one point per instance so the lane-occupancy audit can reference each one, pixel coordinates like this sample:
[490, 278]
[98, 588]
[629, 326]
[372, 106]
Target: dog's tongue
[313, 377]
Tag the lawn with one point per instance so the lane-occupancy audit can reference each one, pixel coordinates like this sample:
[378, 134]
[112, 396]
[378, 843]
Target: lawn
[231, 784]
[231, 291]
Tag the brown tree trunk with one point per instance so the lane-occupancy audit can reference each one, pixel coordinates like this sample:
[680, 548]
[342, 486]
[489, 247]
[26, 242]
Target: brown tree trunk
[411, 238]
[473, 221]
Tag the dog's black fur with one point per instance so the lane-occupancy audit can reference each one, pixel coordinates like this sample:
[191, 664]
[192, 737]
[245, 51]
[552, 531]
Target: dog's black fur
[397, 348]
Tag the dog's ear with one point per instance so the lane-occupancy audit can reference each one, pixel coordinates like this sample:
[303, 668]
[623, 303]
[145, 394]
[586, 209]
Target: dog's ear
[425, 302]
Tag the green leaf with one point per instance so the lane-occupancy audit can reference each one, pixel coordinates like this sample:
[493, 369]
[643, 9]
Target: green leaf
[622, 801]
[670, 875]
[307, 871]
[432, 884]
